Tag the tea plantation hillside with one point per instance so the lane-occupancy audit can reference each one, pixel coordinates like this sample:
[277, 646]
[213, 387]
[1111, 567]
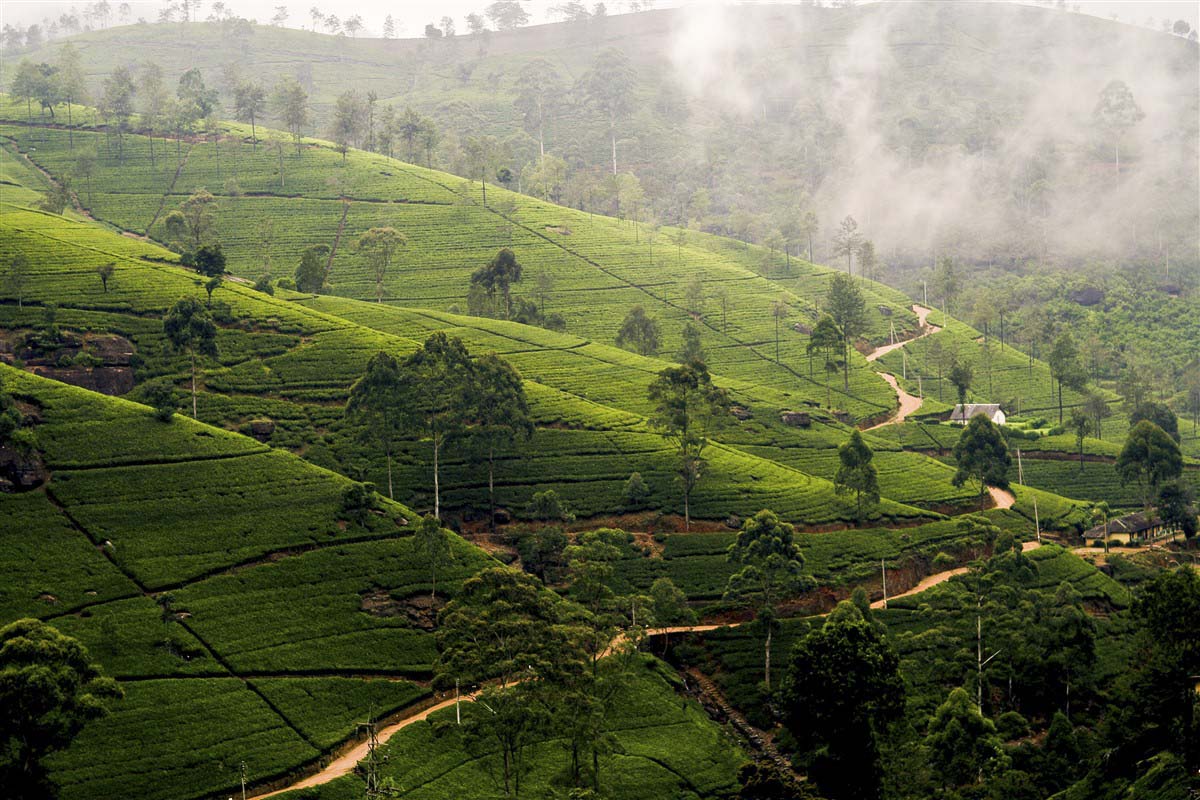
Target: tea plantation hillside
[223, 583]
[599, 267]
[284, 362]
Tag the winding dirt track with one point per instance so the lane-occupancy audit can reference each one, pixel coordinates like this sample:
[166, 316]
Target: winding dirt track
[908, 403]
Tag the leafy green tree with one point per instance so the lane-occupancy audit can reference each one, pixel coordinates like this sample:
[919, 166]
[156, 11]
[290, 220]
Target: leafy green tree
[1177, 508]
[669, 604]
[210, 286]
[636, 491]
[374, 404]
[692, 349]
[105, 271]
[505, 15]
[431, 543]
[982, 456]
[962, 743]
[349, 119]
[540, 94]
[847, 241]
[547, 505]
[72, 85]
[867, 261]
[249, 103]
[779, 312]
[49, 689]
[24, 85]
[542, 553]
[500, 414]
[1080, 425]
[1097, 408]
[687, 406]
[434, 396]
[193, 224]
[1066, 368]
[1149, 458]
[58, 197]
[1159, 414]
[501, 624]
[117, 104]
[291, 106]
[498, 275]
[841, 690]
[849, 311]
[159, 394]
[608, 86]
[379, 245]
[511, 721]
[310, 274]
[1116, 112]
[945, 279]
[209, 260]
[196, 101]
[825, 340]
[639, 331]
[1160, 702]
[154, 101]
[856, 473]
[961, 374]
[189, 327]
[772, 567]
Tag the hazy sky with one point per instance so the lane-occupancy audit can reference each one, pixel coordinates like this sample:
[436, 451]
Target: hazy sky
[413, 14]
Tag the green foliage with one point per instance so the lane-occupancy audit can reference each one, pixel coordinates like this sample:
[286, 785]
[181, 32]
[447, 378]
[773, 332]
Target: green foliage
[842, 688]
[962, 743]
[639, 331]
[310, 274]
[857, 474]
[51, 689]
[982, 456]
[1149, 458]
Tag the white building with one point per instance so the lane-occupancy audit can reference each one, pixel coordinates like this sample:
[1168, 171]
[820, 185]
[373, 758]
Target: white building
[963, 414]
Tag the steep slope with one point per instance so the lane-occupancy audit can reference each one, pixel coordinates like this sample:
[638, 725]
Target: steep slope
[285, 362]
[216, 579]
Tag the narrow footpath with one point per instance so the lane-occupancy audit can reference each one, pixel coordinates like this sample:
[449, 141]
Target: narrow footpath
[908, 404]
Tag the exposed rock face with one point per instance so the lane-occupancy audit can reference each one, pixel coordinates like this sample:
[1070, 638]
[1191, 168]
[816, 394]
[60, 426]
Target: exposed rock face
[797, 419]
[55, 358]
[21, 472]
[114, 381]
[262, 429]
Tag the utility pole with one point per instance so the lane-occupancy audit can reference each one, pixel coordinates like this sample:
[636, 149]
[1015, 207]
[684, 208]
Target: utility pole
[883, 566]
[243, 771]
[1020, 471]
[370, 764]
[1037, 525]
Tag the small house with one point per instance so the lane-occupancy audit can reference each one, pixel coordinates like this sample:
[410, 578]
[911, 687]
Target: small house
[963, 414]
[1130, 529]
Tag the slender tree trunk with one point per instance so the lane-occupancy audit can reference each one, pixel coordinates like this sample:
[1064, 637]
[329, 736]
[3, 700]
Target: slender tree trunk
[70, 128]
[767, 661]
[491, 486]
[846, 365]
[687, 516]
[193, 352]
[612, 134]
[437, 505]
[391, 495]
[1060, 407]
[253, 135]
[281, 165]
